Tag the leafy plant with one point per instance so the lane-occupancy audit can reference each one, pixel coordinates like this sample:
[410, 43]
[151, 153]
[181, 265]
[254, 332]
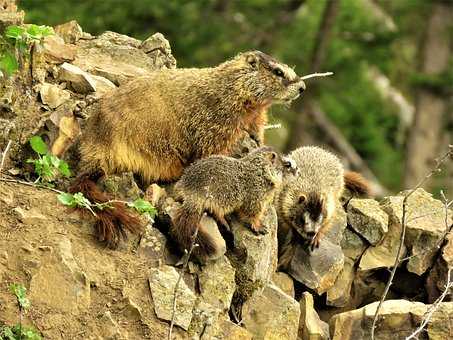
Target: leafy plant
[19, 332]
[47, 166]
[18, 41]
[79, 200]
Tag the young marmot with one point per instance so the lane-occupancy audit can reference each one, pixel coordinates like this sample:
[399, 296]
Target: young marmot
[222, 185]
[158, 124]
[308, 200]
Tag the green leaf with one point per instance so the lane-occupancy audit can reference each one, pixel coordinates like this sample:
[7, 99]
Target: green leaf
[8, 63]
[67, 199]
[14, 32]
[19, 290]
[38, 145]
[64, 168]
[7, 333]
[143, 206]
[38, 32]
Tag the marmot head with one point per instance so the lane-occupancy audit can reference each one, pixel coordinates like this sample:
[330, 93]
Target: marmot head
[306, 214]
[274, 166]
[264, 79]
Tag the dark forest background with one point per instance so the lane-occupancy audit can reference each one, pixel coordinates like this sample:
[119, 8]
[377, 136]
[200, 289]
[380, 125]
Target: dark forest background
[387, 110]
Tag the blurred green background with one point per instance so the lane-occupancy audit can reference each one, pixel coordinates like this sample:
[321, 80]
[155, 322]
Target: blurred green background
[375, 48]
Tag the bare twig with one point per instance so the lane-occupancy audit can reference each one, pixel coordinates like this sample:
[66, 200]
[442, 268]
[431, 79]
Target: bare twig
[436, 169]
[314, 75]
[30, 184]
[273, 126]
[4, 153]
[183, 269]
[429, 313]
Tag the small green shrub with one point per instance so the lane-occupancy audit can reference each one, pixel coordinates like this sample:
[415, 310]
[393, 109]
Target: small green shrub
[19, 332]
[17, 41]
[47, 166]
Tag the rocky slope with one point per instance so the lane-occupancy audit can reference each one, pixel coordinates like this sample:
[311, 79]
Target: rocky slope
[82, 290]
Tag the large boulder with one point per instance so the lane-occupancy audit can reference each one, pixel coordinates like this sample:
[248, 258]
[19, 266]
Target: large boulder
[397, 320]
[311, 327]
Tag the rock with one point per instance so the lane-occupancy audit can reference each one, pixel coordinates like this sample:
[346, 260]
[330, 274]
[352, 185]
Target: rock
[384, 253]
[158, 48]
[30, 217]
[319, 269]
[217, 283]
[53, 96]
[118, 57]
[122, 186]
[223, 328]
[153, 246]
[162, 282]
[110, 328]
[271, 314]
[55, 50]
[353, 246]
[10, 16]
[284, 282]
[103, 86]
[311, 327]
[80, 81]
[339, 294]
[367, 218]
[70, 31]
[255, 256]
[397, 320]
[339, 222]
[59, 283]
[426, 226]
[435, 283]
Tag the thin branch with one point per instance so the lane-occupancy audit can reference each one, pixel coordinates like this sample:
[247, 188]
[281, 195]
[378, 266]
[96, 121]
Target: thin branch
[30, 184]
[429, 313]
[4, 153]
[436, 169]
[314, 75]
[272, 126]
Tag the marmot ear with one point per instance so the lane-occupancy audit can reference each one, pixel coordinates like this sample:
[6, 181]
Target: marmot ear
[273, 156]
[252, 60]
[302, 199]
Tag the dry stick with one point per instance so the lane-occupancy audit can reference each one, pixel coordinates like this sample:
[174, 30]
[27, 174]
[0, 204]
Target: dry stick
[4, 155]
[439, 162]
[429, 313]
[183, 269]
[314, 75]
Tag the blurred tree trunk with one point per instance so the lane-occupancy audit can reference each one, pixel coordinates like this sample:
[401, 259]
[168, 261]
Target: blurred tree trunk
[428, 130]
[300, 131]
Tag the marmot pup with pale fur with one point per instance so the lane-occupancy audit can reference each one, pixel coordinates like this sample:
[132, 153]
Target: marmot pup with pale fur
[222, 185]
[158, 124]
[307, 201]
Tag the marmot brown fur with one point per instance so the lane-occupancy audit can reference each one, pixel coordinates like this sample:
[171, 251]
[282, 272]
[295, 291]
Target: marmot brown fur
[307, 201]
[222, 185]
[158, 124]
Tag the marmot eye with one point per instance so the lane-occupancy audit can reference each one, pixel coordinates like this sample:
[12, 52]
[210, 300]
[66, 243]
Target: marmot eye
[278, 72]
[302, 199]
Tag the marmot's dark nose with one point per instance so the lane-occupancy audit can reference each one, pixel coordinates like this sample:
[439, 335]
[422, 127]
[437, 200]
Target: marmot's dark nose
[302, 87]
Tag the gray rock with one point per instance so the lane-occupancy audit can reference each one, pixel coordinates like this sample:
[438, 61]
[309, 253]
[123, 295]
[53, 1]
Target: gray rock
[80, 81]
[59, 282]
[271, 314]
[384, 253]
[339, 223]
[311, 327]
[52, 95]
[10, 17]
[255, 256]
[353, 246]
[158, 48]
[319, 269]
[397, 320]
[217, 283]
[367, 218]
[162, 282]
[340, 293]
[284, 282]
[56, 51]
[70, 31]
[153, 246]
[122, 186]
[426, 226]
[30, 217]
